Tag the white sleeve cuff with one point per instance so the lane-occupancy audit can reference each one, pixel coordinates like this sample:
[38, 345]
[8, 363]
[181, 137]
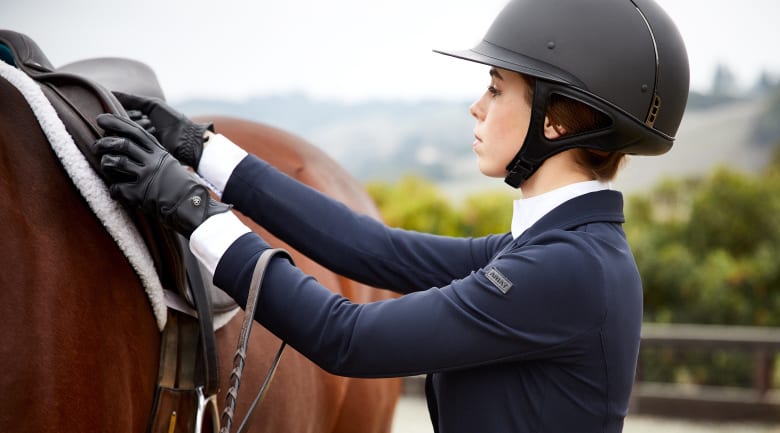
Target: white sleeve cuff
[220, 157]
[213, 237]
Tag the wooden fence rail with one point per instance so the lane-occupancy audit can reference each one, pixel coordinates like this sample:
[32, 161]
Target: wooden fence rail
[760, 403]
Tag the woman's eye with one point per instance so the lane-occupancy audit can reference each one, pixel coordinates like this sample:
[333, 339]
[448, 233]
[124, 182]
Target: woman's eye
[493, 91]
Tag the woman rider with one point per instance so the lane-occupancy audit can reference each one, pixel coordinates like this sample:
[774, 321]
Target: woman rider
[533, 330]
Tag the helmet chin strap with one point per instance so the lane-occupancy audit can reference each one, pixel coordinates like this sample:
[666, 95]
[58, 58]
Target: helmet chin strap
[527, 161]
[620, 135]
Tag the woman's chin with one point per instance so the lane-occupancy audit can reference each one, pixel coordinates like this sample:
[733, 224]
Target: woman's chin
[491, 171]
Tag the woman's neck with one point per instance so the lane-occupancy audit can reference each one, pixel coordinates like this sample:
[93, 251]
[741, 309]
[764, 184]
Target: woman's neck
[557, 171]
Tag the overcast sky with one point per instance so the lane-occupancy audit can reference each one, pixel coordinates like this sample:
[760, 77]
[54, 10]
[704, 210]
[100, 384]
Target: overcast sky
[345, 49]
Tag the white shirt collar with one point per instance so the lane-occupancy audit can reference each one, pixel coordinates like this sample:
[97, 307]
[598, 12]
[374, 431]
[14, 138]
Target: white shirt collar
[527, 211]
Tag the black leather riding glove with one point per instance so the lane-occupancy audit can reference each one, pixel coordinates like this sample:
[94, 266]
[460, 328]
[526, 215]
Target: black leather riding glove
[142, 120]
[143, 174]
[182, 137]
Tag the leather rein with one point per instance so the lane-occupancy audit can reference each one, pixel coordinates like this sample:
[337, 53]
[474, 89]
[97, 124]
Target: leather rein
[239, 360]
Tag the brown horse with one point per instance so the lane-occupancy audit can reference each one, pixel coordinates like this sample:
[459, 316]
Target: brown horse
[80, 346]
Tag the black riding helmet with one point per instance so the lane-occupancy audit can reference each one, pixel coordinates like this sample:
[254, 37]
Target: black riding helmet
[624, 58]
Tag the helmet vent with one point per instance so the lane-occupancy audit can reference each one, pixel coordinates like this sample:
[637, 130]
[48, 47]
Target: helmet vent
[653, 113]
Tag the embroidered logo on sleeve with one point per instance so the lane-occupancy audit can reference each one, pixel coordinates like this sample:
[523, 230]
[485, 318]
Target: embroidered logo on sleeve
[499, 280]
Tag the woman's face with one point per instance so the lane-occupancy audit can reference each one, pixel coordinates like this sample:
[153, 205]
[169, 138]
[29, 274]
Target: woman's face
[503, 114]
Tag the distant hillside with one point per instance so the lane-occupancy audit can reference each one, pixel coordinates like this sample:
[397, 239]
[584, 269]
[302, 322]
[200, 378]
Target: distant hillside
[371, 140]
[384, 140]
[722, 135]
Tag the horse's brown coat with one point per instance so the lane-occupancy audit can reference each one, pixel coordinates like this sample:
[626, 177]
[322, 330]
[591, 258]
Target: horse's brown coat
[80, 346]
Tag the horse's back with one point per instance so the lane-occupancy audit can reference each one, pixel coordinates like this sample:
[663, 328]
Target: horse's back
[73, 310]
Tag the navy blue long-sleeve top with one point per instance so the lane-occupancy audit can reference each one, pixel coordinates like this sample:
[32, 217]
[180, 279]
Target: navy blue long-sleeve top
[534, 334]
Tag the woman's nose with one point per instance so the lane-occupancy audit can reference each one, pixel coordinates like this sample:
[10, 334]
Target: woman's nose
[476, 110]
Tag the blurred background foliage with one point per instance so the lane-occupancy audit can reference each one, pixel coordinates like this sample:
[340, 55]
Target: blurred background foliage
[707, 248]
[708, 253]
[415, 203]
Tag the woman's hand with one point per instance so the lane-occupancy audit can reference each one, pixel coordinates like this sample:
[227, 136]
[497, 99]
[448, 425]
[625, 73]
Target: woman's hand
[143, 174]
[180, 136]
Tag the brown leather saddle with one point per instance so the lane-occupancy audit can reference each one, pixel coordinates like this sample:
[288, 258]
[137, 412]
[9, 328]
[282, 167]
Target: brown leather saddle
[188, 374]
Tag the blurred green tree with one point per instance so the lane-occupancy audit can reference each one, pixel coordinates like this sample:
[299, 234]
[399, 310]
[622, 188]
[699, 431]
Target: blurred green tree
[707, 250]
[415, 203]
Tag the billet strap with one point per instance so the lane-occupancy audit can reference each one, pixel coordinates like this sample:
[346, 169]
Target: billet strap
[243, 342]
[179, 401]
[209, 371]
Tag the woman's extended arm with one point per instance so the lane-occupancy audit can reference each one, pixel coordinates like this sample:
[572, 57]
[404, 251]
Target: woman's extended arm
[468, 323]
[342, 240]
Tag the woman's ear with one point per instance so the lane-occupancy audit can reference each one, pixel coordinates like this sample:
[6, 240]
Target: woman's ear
[553, 131]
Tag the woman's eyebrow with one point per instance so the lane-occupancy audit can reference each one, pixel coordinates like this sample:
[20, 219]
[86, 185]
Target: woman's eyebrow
[494, 73]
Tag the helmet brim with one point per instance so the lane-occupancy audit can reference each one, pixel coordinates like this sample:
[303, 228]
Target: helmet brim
[493, 55]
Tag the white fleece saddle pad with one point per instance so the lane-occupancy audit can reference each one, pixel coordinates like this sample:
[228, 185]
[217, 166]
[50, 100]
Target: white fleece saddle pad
[110, 213]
